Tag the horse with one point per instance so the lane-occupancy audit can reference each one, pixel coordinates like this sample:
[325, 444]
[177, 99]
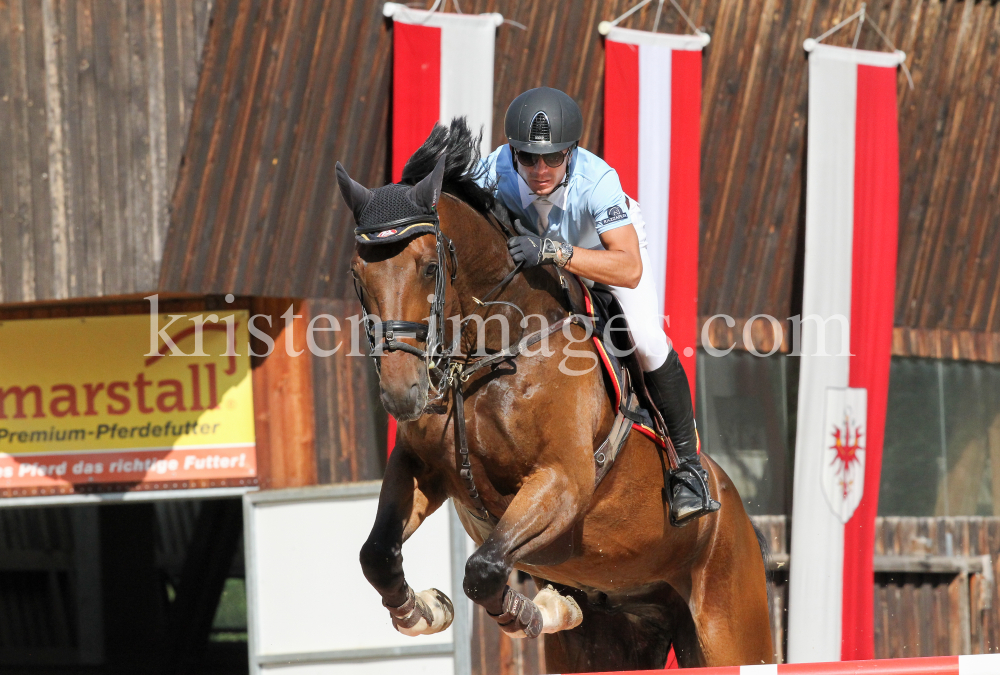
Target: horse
[619, 584]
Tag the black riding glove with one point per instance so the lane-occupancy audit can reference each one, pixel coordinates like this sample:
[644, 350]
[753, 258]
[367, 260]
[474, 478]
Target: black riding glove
[532, 250]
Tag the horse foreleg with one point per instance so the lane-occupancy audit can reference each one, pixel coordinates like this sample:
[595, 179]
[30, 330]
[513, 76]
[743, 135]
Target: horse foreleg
[406, 499]
[541, 511]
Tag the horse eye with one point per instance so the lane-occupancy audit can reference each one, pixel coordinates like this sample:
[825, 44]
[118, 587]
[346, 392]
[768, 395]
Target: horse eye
[430, 270]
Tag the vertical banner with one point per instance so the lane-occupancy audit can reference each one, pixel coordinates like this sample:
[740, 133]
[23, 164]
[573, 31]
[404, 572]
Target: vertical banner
[442, 67]
[852, 197]
[652, 113]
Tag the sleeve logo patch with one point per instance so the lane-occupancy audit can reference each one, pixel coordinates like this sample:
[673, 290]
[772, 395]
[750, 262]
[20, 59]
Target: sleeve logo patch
[615, 213]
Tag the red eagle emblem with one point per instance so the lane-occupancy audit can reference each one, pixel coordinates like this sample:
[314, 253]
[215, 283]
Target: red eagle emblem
[846, 447]
[843, 464]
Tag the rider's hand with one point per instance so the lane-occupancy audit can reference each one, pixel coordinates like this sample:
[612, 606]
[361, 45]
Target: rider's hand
[530, 250]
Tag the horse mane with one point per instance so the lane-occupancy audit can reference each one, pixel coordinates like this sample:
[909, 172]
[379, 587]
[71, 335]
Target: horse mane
[462, 167]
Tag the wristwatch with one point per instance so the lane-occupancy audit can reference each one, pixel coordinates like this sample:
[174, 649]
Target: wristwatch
[563, 254]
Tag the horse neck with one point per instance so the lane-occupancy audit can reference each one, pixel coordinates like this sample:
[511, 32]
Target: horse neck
[484, 261]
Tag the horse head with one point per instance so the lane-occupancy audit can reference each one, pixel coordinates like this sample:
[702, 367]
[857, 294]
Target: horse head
[397, 266]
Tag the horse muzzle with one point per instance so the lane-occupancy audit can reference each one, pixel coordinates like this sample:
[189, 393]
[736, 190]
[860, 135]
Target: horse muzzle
[403, 386]
[406, 407]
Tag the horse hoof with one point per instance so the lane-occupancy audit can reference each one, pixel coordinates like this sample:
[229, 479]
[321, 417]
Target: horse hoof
[436, 614]
[559, 612]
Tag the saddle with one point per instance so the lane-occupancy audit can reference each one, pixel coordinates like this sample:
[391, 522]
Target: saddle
[622, 374]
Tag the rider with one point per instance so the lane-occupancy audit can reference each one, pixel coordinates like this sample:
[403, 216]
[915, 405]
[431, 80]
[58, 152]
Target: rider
[589, 227]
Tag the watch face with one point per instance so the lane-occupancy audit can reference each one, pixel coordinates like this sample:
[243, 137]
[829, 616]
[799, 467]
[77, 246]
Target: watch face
[565, 253]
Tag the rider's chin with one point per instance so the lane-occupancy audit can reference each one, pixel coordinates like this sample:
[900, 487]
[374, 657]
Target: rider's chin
[406, 405]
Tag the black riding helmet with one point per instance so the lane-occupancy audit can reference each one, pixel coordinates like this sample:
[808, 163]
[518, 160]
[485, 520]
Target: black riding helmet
[543, 120]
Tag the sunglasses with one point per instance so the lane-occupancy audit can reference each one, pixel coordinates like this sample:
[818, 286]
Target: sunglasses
[551, 159]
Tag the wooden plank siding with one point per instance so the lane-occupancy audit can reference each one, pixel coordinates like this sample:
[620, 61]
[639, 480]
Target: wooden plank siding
[95, 99]
[351, 425]
[283, 96]
[283, 395]
[931, 614]
[287, 89]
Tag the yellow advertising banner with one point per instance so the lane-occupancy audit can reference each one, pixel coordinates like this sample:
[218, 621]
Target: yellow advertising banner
[140, 399]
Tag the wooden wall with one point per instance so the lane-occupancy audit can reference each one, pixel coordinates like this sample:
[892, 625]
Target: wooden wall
[935, 590]
[351, 425]
[288, 88]
[935, 608]
[753, 154]
[95, 99]
[283, 396]
[282, 98]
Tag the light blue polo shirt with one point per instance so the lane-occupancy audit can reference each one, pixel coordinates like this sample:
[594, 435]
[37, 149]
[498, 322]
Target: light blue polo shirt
[589, 204]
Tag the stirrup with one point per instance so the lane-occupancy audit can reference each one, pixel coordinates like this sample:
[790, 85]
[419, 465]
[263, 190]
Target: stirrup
[708, 505]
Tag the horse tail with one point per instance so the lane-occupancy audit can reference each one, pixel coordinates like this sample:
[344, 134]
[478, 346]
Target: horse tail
[765, 554]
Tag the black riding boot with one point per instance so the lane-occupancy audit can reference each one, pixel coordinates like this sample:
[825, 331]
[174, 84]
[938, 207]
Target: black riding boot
[689, 494]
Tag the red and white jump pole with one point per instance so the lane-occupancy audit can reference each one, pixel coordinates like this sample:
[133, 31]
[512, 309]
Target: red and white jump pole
[978, 664]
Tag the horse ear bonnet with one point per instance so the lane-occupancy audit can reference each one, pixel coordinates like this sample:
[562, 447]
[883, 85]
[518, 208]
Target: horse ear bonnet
[355, 194]
[397, 211]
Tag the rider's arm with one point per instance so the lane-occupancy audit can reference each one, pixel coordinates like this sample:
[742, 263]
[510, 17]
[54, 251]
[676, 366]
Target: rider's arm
[618, 265]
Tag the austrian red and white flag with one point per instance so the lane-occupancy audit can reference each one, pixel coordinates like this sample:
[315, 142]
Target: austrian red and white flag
[652, 138]
[442, 67]
[852, 196]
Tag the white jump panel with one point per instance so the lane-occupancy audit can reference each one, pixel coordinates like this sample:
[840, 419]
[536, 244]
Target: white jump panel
[310, 608]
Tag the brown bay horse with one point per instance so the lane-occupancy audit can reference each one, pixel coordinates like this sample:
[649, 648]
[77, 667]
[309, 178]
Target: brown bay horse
[620, 584]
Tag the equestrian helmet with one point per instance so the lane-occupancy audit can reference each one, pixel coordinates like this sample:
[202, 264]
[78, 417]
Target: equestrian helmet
[543, 120]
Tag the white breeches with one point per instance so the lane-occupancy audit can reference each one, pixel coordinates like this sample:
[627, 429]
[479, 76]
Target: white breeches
[642, 306]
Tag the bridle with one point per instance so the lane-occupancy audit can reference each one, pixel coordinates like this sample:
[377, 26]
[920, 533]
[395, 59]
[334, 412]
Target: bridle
[383, 336]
